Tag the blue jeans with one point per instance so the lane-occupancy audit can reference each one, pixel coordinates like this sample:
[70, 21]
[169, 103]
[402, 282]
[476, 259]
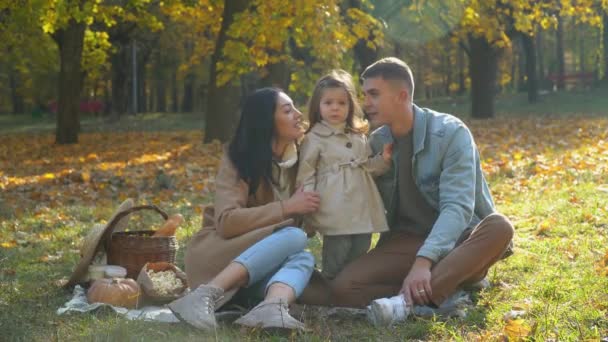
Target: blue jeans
[280, 257]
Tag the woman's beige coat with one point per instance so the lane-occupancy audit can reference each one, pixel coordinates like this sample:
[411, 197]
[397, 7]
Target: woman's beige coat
[237, 221]
[338, 164]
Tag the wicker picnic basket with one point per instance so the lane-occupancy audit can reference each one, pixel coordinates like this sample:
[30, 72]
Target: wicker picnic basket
[133, 249]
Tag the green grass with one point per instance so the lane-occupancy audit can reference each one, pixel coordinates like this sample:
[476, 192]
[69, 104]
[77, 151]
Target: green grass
[24, 123]
[591, 102]
[561, 240]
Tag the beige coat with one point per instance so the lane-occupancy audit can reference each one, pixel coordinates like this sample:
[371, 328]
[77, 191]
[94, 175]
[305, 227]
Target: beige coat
[338, 165]
[236, 222]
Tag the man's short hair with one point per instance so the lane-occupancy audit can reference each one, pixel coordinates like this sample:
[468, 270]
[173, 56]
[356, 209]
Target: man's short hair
[391, 69]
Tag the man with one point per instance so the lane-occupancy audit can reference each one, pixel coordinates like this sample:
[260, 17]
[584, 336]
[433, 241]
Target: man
[444, 231]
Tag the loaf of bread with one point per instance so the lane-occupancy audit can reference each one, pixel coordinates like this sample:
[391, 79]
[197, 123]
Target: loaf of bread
[170, 226]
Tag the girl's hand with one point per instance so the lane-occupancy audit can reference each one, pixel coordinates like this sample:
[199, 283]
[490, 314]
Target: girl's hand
[302, 202]
[387, 152]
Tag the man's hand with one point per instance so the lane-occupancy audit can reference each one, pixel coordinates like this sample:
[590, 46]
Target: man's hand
[417, 285]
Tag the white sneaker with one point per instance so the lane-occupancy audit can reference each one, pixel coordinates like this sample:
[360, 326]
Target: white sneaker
[387, 311]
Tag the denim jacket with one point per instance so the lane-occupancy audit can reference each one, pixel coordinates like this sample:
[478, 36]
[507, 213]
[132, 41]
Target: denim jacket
[447, 171]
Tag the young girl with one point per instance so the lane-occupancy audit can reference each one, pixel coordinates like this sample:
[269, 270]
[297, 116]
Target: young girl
[335, 161]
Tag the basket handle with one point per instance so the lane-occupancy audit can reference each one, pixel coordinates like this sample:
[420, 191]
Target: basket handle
[126, 212]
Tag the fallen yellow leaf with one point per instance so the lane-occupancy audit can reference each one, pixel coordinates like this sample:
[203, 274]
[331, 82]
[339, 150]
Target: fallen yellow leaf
[517, 329]
[86, 177]
[9, 244]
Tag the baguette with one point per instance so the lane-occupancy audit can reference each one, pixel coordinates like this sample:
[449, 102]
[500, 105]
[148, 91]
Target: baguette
[170, 226]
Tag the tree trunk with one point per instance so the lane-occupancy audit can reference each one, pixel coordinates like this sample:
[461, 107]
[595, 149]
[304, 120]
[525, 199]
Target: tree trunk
[14, 81]
[160, 84]
[540, 54]
[120, 80]
[142, 101]
[514, 54]
[152, 97]
[521, 66]
[483, 68]
[532, 81]
[71, 42]
[581, 50]
[222, 106]
[561, 65]
[364, 55]
[161, 96]
[278, 75]
[605, 44]
[462, 87]
[174, 93]
[107, 98]
[447, 72]
[188, 99]
[144, 54]
[398, 49]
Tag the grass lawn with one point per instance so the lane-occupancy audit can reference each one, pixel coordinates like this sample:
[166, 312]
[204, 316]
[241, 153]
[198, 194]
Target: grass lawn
[547, 166]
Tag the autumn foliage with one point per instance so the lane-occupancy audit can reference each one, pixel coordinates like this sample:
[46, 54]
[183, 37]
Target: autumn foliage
[535, 167]
[162, 166]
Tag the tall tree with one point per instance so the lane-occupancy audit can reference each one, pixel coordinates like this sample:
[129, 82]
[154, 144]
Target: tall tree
[528, 43]
[222, 106]
[605, 43]
[559, 53]
[67, 21]
[540, 54]
[473, 21]
[70, 39]
[307, 37]
[28, 57]
[483, 69]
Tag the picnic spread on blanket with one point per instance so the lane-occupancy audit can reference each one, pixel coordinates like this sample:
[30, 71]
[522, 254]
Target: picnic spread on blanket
[134, 273]
[128, 269]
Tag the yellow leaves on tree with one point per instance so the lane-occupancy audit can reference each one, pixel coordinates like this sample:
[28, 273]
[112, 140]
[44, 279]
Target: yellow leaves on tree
[492, 19]
[318, 34]
[197, 26]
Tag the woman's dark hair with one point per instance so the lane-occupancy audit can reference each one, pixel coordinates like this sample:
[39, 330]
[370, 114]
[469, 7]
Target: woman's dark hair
[251, 147]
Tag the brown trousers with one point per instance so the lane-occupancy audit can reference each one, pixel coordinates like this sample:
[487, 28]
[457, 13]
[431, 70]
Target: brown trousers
[380, 273]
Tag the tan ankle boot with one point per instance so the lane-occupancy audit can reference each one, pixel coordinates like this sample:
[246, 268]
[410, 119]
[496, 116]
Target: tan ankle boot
[198, 307]
[271, 313]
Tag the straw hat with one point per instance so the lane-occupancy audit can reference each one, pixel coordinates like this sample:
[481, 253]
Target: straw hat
[92, 244]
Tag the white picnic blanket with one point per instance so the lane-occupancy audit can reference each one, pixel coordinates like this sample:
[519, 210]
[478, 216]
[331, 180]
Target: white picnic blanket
[455, 305]
[79, 304]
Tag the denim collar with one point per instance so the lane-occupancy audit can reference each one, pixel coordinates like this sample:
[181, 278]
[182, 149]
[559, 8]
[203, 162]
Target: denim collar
[419, 130]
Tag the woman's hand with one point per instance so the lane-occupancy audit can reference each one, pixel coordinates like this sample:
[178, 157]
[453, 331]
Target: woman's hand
[301, 202]
[387, 152]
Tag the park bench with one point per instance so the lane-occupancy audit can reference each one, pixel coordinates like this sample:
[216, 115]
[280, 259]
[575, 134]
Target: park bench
[577, 79]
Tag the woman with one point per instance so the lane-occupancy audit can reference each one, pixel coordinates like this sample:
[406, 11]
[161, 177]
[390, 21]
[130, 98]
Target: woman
[249, 242]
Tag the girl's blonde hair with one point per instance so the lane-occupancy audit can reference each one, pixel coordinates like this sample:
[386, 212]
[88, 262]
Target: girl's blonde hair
[338, 79]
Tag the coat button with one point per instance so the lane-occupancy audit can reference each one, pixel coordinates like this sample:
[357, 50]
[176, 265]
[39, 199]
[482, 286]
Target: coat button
[349, 144]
